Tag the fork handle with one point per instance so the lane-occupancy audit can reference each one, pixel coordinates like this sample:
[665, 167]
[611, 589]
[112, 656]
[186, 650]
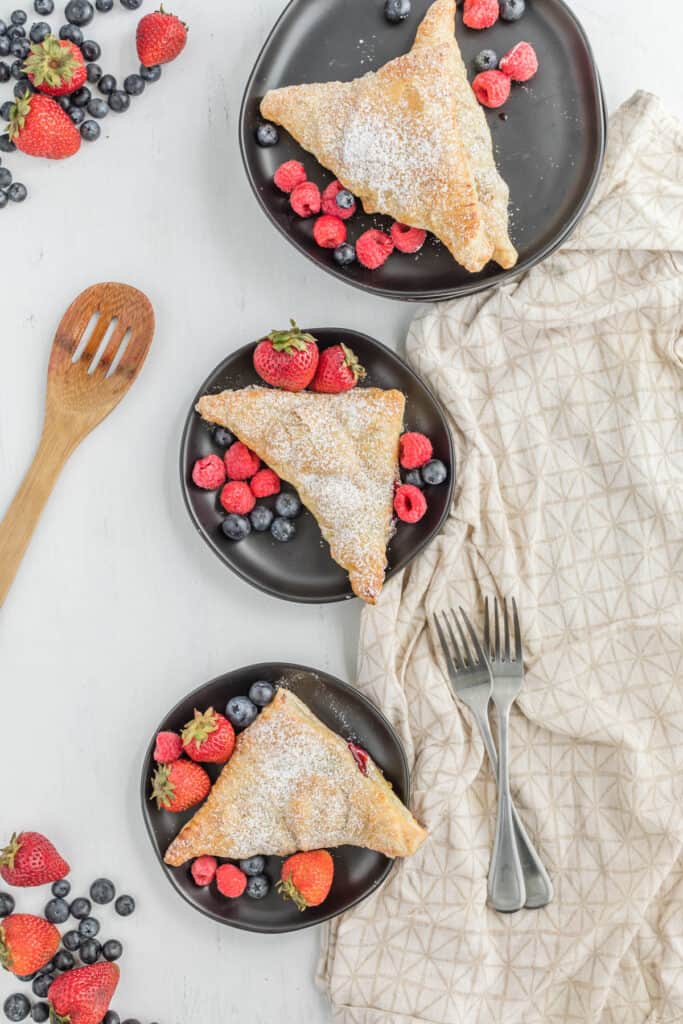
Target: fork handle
[16, 529]
[507, 891]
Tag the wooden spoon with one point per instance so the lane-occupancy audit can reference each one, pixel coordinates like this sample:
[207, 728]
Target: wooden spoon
[81, 391]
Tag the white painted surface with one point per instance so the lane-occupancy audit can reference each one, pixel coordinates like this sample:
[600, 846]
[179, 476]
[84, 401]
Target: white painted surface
[119, 608]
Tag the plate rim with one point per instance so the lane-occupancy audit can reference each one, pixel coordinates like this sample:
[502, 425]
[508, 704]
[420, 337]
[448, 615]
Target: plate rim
[263, 667]
[468, 287]
[393, 570]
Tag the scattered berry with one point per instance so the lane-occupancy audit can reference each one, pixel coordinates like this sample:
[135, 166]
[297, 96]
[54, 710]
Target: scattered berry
[176, 787]
[344, 254]
[414, 450]
[27, 943]
[112, 950]
[98, 108]
[83, 996]
[338, 370]
[90, 951]
[223, 437]
[329, 231]
[289, 175]
[305, 199]
[77, 115]
[434, 472]
[102, 891]
[90, 131]
[81, 98]
[240, 463]
[253, 865]
[512, 10]
[16, 1007]
[374, 248]
[64, 961]
[88, 928]
[6, 904]
[480, 13]
[93, 73]
[236, 527]
[203, 870]
[160, 38]
[338, 201]
[241, 712]
[104, 6]
[30, 859]
[407, 239]
[41, 985]
[3, 200]
[72, 33]
[39, 127]
[18, 17]
[134, 85]
[152, 74]
[79, 12]
[39, 32]
[258, 887]
[264, 483]
[237, 497]
[306, 878]
[409, 503]
[71, 941]
[486, 60]
[288, 505]
[91, 50]
[285, 359]
[396, 11]
[209, 472]
[521, 63]
[491, 88]
[57, 911]
[61, 889]
[124, 906]
[17, 192]
[208, 737]
[261, 693]
[40, 1012]
[267, 135]
[5, 73]
[111, 1018]
[43, 7]
[5, 178]
[80, 908]
[414, 477]
[131, 5]
[230, 881]
[282, 530]
[168, 747]
[119, 101]
[106, 84]
[261, 517]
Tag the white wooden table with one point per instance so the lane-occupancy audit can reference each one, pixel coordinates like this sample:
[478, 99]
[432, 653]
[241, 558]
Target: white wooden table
[119, 608]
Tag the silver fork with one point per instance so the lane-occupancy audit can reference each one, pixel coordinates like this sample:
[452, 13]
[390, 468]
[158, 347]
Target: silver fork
[471, 682]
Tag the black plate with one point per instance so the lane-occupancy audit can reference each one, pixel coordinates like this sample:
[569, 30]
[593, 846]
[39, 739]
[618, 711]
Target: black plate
[549, 150]
[357, 872]
[303, 570]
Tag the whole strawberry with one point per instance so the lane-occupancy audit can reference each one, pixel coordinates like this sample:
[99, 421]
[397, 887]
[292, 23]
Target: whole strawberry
[338, 370]
[160, 38]
[180, 785]
[208, 737]
[83, 995]
[306, 878]
[287, 359]
[38, 126]
[55, 66]
[27, 943]
[31, 859]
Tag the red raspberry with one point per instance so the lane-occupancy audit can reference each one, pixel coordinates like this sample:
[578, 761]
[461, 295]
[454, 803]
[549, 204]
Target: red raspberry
[237, 497]
[481, 13]
[330, 202]
[209, 472]
[410, 503]
[329, 232]
[204, 870]
[521, 63]
[374, 248]
[305, 200]
[240, 463]
[491, 88]
[168, 747]
[264, 483]
[407, 239]
[415, 450]
[230, 881]
[289, 175]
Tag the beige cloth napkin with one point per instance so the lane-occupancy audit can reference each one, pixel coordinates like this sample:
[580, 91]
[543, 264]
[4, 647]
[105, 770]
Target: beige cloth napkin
[564, 395]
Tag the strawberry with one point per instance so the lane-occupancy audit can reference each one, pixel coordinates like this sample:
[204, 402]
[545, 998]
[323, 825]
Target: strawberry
[160, 38]
[306, 878]
[209, 736]
[38, 126]
[338, 370]
[55, 66]
[31, 859]
[287, 359]
[83, 995]
[180, 785]
[27, 943]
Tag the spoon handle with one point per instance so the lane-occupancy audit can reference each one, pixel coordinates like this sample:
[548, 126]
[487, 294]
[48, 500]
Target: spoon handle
[21, 519]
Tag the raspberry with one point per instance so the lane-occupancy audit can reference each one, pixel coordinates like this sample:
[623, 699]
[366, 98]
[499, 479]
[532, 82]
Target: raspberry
[168, 747]
[521, 63]
[289, 175]
[415, 450]
[209, 472]
[329, 232]
[305, 200]
[240, 463]
[374, 248]
[407, 239]
[329, 205]
[491, 88]
[410, 503]
[264, 483]
[481, 13]
[230, 881]
[204, 870]
[237, 497]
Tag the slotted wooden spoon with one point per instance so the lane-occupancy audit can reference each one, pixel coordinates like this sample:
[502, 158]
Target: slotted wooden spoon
[81, 391]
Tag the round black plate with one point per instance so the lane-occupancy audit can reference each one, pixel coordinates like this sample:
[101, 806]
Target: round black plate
[303, 570]
[357, 872]
[549, 149]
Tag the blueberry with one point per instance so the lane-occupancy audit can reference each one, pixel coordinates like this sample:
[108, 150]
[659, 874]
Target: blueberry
[151, 74]
[267, 135]
[486, 60]
[39, 31]
[3, 27]
[134, 85]
[40, 1012]
[261, 693]
[261, 517]
[434, 472]
[112, 949]
[344, 254]
[18, 17]
[80, 908]
[98, 108]
[93, 73]
[223, 437]
[18, 70]
[81, 98]
[106, 84]
[253, 865]
[131, 5]
[91, 50]
[236, 527]
[89, 927]
[20, 48]
[344, 199]
[57, 911]
[22, 88]
[111, 1017]
[16, 32]
[5, 73]
[104, 6]
[257, 887]
[26, 977]
[77, 115]
[64, 960]
[287, 505]
[48, 968]
[240, 712]
[42, 984]
[71, 941]
[16, 1007]
[414, 477]
[90, 131]
[64, 102]
[72, 33]
[6, 110]
[6, 144]
[102, 890]
[125, 905]
[3, 203]
[119, 101]
[79, 12]
[61, 888]
[5, 43]
[6, 904]
[396, 10]
[512, 10]
[90, 951]
[283, 530]
[43, 7]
